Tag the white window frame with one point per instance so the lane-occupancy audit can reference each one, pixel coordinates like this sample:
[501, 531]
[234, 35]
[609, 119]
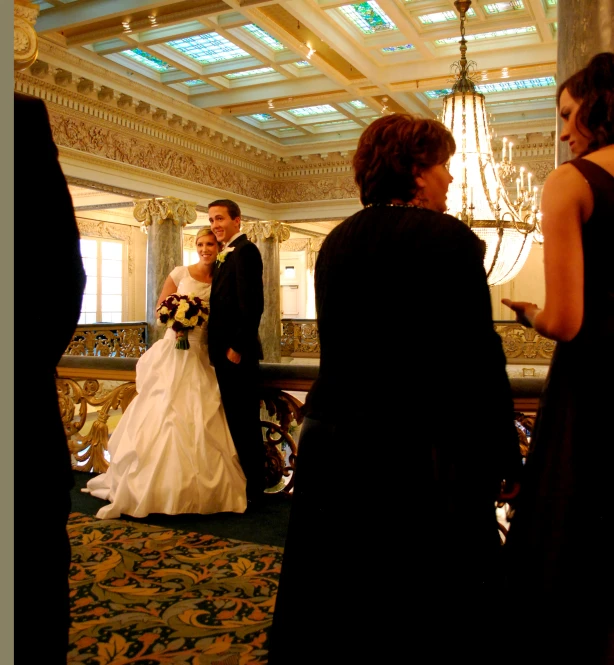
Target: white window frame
[124, 279]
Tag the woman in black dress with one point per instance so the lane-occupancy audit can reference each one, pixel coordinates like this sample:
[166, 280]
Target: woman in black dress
[560, 539]
[392, 553]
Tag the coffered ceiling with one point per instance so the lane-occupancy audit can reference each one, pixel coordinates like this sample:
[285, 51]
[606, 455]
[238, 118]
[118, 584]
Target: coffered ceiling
[309, 75]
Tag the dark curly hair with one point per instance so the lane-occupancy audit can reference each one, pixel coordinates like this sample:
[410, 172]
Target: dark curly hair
[393, 150]
[593, 88]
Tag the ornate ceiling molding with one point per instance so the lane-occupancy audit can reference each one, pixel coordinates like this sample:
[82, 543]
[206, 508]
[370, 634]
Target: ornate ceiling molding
[58, 54]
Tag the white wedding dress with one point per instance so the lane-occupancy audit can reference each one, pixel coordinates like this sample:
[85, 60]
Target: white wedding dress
[172, 451]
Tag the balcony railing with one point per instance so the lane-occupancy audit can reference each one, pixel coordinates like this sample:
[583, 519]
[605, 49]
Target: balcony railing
[109, 340]
[92, 390]
[299, 339]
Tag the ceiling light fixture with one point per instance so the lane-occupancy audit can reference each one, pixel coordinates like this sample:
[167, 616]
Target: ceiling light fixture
[477, 195]
[152, 20]
[310, 52]
[126, 25]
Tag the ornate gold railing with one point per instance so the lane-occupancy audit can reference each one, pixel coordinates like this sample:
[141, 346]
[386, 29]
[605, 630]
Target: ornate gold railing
[299, 339]
[93, 389]
[109, 340]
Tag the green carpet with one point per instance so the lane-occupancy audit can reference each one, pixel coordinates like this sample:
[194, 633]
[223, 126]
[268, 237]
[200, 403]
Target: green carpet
[266, 524]
[150, 595]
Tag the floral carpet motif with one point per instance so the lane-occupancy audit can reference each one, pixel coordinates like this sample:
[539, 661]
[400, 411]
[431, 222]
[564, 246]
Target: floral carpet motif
[147, 595]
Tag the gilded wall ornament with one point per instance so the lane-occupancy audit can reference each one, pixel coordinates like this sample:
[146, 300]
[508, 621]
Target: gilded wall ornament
[25, 39]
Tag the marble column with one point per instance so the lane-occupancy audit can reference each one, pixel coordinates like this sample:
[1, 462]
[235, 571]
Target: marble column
[584, 29]
[268, 236]
[163, 219]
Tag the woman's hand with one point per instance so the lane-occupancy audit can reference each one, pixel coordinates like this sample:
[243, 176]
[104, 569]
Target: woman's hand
[525, 311]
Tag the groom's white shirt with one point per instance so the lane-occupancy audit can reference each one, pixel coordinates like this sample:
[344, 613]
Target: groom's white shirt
[234, 237]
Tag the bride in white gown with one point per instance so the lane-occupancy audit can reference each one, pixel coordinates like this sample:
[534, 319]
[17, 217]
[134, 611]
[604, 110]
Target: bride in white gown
[172, 451]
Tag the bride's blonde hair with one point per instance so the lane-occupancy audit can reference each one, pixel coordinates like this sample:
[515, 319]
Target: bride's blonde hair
[206, 231]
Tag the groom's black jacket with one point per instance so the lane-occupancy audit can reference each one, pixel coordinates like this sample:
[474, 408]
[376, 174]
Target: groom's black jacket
[237, 303]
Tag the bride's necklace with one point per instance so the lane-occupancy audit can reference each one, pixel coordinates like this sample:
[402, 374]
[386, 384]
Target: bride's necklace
[394, 205]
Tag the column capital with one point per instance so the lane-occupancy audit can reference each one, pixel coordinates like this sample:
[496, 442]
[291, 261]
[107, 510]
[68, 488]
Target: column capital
[159, 210]
[271, 230]
[25, 39]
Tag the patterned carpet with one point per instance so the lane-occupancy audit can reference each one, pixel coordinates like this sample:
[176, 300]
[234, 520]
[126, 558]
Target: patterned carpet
[149, 595]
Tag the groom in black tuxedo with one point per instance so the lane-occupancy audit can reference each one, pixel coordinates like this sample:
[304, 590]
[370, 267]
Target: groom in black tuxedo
[237, 303]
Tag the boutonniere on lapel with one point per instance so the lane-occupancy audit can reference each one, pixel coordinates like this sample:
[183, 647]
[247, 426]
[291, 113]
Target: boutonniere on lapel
[221, 257]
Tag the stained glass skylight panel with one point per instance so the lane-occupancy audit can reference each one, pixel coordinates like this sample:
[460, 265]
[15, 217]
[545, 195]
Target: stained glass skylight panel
[302, 63]
[148, 60]
[488, 35]
[394, 49]
[264, 37]
[437, 94]
[502, 7]
[368, 17]
[503, 86]
[208, 48]
[251, 72]
[551, 3]
[262, 117]
[440, 17]
[192, 82]
[358, 104]
[312, 110]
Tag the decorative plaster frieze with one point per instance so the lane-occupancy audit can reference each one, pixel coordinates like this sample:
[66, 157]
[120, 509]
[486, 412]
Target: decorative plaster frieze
[294, 245]
[55, 95]
[93, 128]
[119, 145]
[312, 189]
[133, 116]
[266, 231]
[137, 90]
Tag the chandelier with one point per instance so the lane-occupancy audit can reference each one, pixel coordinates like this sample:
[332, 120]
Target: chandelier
[477, 196]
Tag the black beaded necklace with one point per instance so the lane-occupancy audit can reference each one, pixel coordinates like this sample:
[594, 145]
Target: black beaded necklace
[394, 205]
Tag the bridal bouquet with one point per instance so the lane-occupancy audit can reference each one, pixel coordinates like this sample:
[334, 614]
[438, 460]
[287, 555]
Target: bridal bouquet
[182, 313]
